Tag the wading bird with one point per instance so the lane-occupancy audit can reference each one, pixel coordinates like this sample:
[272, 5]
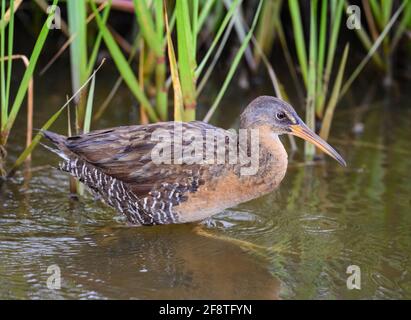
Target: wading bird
[117, 165]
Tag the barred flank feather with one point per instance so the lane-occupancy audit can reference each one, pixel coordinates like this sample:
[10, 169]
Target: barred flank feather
[150, 210]
[154, 207]
[113, 191]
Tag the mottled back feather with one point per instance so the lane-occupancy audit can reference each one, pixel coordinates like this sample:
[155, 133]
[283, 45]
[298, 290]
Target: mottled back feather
[125, 153]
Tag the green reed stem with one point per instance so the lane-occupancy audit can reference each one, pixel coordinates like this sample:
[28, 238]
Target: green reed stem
[234, 65]
[299, 37]
[185, 59]
[123, 66]
[10, 53]
[309, 149]
[21, 92]
[23, 156]
[76, 12]
[329, 112]
[4, 111]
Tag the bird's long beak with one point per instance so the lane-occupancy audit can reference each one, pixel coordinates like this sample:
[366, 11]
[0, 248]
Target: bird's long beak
[301, 130]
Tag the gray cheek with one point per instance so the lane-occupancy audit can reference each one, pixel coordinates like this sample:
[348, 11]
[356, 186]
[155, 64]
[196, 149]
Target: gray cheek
[264, 118]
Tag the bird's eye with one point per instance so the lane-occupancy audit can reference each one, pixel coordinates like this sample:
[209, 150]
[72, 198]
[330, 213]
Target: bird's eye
[280, 115]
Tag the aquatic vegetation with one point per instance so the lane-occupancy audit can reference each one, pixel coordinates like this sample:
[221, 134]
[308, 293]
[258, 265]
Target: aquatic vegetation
[317, 68]
[378, 14]
[190, 18]
[8, 115]
[205, 59]
[178, 44]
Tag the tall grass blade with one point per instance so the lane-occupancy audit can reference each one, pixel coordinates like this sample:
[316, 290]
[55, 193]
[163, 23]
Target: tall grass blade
[290, 63]
[94, 53]
[4, 22]
[118, 82]
[178, 96]
[204, 13]
[141, 78]
[161, 68]
[76, 12]
[321, 50]
[335, 21]
[23, 156]
[386, 8]
[71, 38]
[217, 55]
[89, 106]
[329, 113]
[378, 14]
[4, 108]
[234, 65]
[146, 23]
[218, 35]
[10, 53]
[123, 66]
[372, 50]
[185, 59]
[265, 32]
[366, 42]
[370, 19]
[405, 20]
[195, 4]
[241, 33]
[27, 76]
[299, 37]
[309, 149]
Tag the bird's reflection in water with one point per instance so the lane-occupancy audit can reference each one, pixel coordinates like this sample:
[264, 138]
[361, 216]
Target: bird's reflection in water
[167, 262]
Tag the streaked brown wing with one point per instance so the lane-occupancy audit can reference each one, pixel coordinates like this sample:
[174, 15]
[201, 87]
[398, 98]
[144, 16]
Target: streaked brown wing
[125, 153]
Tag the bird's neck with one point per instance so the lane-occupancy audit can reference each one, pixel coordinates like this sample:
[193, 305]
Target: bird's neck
[272, 162]
[273, 156]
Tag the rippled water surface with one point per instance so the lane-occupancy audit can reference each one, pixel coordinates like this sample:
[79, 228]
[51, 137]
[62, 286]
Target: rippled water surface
[294, 243]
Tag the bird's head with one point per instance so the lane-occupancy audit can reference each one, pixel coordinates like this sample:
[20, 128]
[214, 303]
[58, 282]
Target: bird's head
[281, 118]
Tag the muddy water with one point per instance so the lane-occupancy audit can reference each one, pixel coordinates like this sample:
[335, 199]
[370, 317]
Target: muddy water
[294, 243]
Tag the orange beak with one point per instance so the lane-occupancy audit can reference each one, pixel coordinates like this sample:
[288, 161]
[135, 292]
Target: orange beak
[301, 130]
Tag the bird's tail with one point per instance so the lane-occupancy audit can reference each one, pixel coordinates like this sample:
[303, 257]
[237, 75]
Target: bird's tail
[112, 191]
[59, 141]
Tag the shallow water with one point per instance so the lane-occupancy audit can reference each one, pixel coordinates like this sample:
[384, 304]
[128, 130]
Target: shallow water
[296, 242]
